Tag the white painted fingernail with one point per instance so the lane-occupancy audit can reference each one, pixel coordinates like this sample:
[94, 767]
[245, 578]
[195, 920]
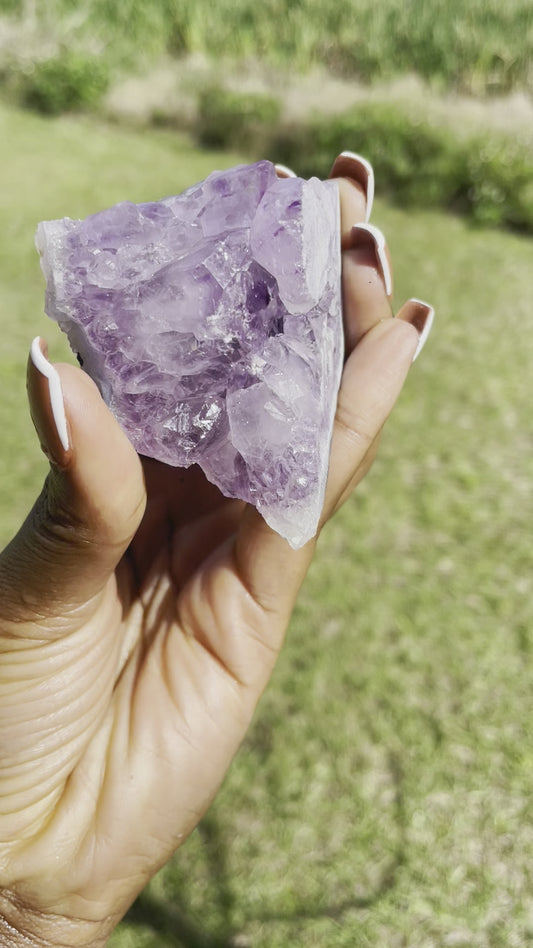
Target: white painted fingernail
[43, 366]
[360, 234]
[351, 165]
[423, 325]
[283, 172]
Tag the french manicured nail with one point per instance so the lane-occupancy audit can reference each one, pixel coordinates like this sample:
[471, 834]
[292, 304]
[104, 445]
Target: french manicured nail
[351, 165]
[421, 316]
[53, 430]
[283, 172]
[367, 234]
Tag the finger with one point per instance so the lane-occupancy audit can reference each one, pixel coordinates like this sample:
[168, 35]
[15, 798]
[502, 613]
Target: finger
[373, 377]
[421, 316]
[356, 190]
[283, 172]
[372, 380]
[358, 475]
[93, 497]
[366, 283]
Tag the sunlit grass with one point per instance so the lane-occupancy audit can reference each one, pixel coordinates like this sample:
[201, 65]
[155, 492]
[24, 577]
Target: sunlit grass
[383, 795]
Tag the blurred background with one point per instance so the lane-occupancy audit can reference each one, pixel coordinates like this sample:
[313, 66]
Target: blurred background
[384, 793]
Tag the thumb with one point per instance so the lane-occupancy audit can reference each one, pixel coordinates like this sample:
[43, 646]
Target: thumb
[92, 501]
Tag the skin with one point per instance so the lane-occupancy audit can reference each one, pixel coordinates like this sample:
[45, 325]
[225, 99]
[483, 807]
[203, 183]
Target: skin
[141, 615]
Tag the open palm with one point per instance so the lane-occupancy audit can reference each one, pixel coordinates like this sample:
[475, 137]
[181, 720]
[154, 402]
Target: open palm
[141, 614]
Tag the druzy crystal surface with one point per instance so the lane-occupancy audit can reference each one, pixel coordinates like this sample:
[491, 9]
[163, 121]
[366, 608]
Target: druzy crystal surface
[211, 322]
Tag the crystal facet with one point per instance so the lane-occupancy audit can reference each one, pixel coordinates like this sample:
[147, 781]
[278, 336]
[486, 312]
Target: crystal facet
[212, 324]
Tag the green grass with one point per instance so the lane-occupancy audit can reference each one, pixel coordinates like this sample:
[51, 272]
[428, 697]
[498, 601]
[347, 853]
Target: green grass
[383, 796]
[480, 45]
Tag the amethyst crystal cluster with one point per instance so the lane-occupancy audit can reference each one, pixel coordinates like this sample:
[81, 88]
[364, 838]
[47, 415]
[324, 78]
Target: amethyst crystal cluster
[212, 324]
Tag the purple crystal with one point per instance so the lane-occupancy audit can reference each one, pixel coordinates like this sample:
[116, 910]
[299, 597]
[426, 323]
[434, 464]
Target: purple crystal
[212, 324]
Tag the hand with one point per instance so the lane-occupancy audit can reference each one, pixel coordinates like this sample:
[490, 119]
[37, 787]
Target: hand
[141, 614]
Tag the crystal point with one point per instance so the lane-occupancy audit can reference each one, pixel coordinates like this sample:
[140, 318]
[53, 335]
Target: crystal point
[211, 322]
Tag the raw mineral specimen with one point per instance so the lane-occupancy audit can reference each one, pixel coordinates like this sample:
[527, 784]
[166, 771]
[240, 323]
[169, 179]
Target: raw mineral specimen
[211, 322]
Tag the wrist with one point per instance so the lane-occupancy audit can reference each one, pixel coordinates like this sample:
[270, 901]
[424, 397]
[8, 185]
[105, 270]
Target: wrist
[22, 927]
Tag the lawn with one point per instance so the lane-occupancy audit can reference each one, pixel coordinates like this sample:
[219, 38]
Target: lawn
[383, 795]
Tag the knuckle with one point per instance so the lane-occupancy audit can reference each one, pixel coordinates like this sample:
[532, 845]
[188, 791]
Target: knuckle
[357, 428]
[55, 521]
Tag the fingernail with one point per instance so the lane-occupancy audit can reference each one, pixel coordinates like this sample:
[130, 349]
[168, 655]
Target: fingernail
[52, 432]
[421, 316]
[367, 234]
[351, 165]
[283, 172]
